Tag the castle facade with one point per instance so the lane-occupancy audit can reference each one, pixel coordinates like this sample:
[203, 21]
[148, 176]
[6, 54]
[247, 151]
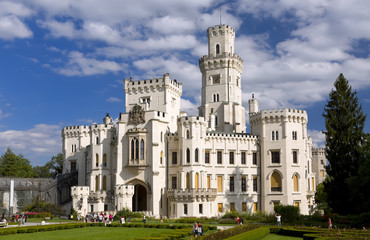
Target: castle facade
[158, 160]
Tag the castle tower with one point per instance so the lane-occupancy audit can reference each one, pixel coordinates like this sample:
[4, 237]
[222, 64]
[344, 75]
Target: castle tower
[221, 82]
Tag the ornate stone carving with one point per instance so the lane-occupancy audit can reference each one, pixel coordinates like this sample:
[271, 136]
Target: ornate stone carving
[137, 115]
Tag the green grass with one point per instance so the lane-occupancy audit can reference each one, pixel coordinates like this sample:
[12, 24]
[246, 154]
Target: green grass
[89, 233]
[279, 237]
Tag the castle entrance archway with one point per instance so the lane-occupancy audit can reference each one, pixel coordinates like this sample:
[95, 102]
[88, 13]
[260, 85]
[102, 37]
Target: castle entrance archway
[139, 200]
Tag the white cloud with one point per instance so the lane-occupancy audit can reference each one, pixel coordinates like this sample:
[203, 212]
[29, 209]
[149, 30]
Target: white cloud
[59, 29]
[318, 138]
[189, 107]
[113, 99]
[13, 8]
[36, 144]
[172, 25]
[79, 65]
[12, 27]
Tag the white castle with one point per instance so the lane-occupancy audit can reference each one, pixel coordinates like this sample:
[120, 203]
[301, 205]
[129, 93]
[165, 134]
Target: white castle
[158, 160]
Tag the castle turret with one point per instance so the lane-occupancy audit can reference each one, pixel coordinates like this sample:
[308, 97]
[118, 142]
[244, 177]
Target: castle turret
[253, 105]
[221, 81]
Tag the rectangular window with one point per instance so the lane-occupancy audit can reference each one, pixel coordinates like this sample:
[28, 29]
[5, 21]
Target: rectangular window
[313, 184]
[219, 157]
[219, 183]
[244, 206]
[73, 166]
[185, 209]
[322, 173]
[275, 157]
[200, 208]
[277, 135]
[91, 208]
[105, 207]
[243, 158]
[231, 184]
[174, 182]
[296, 204]
[273, 136]
[206, 157]
[174, 158]
[231, 157]
[244, 184]
[254, 184]
[254, 160]
[220, 207]
[255, 207]
[232, 207]
[295, 157]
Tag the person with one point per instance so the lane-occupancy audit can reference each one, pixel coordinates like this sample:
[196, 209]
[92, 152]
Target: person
[241, 221]
[200, 229]
[123, 220]
[278, 219]
[110, 218]
[330, 224]
[129, 219]
[195, 229]
[43, 222]
[144, 219]
[237, 220]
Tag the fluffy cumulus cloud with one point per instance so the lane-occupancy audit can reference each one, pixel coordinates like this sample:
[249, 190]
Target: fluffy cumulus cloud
[11, 21]
[37, 144]
[80, 65]
[318, 138]
[113, 99]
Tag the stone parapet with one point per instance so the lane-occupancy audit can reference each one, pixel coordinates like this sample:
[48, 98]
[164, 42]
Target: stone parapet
[191, 195]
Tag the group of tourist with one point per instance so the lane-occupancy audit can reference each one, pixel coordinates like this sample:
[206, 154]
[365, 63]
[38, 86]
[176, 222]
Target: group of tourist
[98, 218]
[197, 229]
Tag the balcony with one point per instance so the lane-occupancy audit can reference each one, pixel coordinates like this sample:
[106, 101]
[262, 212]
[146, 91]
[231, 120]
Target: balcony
[190, 195]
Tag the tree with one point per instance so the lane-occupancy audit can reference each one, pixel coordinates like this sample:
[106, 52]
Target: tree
[344, 122]
[321, 198]
[12, 165]
[55, 165]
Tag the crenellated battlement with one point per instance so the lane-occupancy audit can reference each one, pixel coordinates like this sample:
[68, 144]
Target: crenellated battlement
[220, 30]
[221, 61]
[185, 120]
[318, 151]
[278, 115]
[124, 190]
[231, 135]
[152, 85]
[78, 191]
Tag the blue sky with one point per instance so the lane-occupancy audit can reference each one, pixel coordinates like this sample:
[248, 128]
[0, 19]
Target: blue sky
[62, 62]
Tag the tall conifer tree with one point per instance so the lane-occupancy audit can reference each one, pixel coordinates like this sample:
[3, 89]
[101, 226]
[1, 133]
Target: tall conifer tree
[344, 121]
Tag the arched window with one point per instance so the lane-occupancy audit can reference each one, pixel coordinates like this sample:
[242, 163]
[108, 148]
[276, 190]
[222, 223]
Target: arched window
[97, 183]
[188, 181]
[277, 135]
[218, 97]
[275, 182]
[137, 149]
[196, 155]
[208, 182]
[97, 160]
[97, 140]
[273, 135]
[161, 136]
[216, 121]
[142, 149]
[104, 160]
[161, 158]
[295, 183]
[187, 134]
[217, 49]
[132, 149]
[188, 155]
[196, 181]
[105, 183]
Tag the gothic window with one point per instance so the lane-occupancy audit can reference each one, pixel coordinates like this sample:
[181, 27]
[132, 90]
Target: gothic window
[294, 135]
[185, 209]
[137, 149]
[174, 182]
[132, 149]
[277, 135]
[219, 183]
[97, 140]
[216, 121]
[200, 208]
[104, 160]
[196, 181]
[217, 48]
[275, 182]
[187, 134]
[273, 136]
[97, 160]
[161, 136]
[161, 158]
[196, 157]
[188, 181]
[104, 183]
[188, 155]
[97, 183]
[295, 183]
[254, 184]
[218, 97]
[142, 149]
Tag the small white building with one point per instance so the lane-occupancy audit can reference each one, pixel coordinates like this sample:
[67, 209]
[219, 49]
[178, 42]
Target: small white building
[159, 160]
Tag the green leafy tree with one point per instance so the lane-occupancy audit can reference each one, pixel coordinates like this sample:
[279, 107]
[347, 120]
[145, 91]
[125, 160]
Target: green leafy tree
[344, 122]
[321, 199]
[55, 165]
[12, 165]
[42, 171]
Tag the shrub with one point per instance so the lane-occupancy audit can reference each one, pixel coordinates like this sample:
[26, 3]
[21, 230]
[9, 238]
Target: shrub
[125, 213]
[288, 213]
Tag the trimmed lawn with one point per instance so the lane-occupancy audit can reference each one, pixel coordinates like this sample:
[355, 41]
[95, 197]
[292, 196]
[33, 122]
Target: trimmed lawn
[89, 233]
[279, 237]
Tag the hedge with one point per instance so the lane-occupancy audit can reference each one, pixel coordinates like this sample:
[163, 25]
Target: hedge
[230, 232]
[253, 234]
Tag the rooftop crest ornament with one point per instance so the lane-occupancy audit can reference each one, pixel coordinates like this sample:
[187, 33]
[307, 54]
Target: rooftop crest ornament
[137, 115]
